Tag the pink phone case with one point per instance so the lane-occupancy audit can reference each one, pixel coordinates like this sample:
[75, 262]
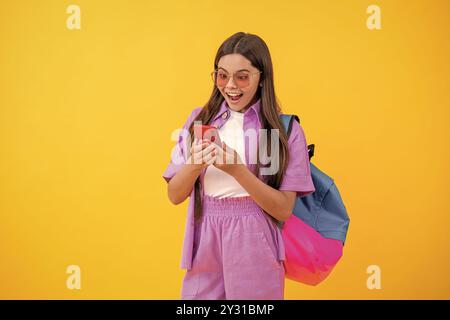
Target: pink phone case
[208, 132]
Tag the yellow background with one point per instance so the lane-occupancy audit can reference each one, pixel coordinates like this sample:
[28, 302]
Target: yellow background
[86, 117]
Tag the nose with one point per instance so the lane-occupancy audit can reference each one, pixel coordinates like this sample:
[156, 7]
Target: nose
[232, 81]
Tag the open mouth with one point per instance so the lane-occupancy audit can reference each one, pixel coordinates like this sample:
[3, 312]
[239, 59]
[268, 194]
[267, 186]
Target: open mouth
[234, 97]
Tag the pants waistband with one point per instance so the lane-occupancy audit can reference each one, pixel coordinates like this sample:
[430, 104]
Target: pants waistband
[233, 206]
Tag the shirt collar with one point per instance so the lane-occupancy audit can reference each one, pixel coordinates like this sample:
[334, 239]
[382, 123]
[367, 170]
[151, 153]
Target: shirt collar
[254, 109]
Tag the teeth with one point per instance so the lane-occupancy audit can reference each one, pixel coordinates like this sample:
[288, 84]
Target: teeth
[234, 94]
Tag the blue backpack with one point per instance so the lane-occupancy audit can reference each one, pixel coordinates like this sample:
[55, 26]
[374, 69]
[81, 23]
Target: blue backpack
[323, 210]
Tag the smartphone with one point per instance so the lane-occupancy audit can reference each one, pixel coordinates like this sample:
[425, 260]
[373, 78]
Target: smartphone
[207, 132]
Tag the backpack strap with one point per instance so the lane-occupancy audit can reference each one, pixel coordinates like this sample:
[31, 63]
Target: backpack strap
[287, 120]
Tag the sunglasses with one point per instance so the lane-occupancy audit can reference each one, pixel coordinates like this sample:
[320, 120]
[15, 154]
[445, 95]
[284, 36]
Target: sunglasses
[240, 78]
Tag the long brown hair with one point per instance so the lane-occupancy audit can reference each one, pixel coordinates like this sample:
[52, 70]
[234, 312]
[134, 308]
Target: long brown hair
[256, 51]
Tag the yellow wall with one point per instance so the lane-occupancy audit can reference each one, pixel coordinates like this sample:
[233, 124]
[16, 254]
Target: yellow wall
[86, 117]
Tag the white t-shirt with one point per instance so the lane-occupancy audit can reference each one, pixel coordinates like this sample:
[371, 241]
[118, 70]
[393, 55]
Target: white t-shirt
[218, 183]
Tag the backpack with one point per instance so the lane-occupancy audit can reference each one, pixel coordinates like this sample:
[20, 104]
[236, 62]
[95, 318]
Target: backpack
[310, 257]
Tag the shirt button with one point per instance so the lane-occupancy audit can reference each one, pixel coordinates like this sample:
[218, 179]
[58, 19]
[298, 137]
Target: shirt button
[225, 115]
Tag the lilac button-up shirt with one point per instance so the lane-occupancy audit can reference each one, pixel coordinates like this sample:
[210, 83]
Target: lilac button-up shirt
[296, 178]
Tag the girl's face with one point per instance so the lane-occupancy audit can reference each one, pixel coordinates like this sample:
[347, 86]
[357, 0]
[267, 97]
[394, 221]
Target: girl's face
[239, 90]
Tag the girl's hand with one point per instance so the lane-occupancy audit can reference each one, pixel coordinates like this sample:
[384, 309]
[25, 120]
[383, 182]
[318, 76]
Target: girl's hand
[202, 153]
[227, 159]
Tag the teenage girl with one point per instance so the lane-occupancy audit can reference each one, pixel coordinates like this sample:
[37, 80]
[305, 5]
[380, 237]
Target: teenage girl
[233, 247]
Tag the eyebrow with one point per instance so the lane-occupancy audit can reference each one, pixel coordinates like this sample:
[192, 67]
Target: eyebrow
[236, 71]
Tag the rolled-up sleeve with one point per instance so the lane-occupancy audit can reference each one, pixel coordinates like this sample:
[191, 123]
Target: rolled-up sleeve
[297, 176]
[179, 152]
